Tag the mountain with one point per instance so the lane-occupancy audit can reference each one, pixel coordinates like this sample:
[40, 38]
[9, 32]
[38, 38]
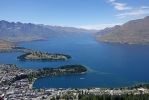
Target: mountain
[16, 32]
[132, 32]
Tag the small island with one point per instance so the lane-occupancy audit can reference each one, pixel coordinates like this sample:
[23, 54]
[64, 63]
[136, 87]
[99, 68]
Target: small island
[43, 56]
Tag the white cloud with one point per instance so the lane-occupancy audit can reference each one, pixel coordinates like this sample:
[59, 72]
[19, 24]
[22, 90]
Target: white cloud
[97, 26]
[144, 10]
[126, 11]
[119, 6]
[145, 7]
[112, 0]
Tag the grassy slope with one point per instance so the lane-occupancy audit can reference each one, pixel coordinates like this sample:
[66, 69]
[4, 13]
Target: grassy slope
[4, 45]
[132, 32]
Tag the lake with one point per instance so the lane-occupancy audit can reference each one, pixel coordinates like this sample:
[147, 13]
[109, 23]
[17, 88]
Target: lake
[109, 65]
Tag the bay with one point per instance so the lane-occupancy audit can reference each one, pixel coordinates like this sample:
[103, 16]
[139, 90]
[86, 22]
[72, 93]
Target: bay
[109, 65]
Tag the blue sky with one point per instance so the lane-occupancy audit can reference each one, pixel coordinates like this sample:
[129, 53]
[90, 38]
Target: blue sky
[90, 14]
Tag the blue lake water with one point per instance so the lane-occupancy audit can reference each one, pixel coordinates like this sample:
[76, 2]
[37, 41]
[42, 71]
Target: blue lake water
[109, 65]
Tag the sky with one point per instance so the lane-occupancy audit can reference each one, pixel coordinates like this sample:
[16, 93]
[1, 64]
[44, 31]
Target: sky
[88, 14]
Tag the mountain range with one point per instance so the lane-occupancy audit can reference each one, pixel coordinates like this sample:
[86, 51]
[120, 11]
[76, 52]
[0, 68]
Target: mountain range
[132, 32]
[16, 32]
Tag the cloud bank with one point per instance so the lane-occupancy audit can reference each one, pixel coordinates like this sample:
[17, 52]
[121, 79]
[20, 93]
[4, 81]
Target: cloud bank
[134, 12]
[97, 26]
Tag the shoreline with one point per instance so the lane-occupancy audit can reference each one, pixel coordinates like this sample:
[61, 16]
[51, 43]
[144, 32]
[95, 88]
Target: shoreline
[121, 43]
[12, 45]
[37, 55]
[32, 75]
[135, 85]
[21, 83]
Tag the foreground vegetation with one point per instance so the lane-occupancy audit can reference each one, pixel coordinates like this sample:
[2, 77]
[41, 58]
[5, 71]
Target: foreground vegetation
[43, 56]
[139, 92]
[114, 97]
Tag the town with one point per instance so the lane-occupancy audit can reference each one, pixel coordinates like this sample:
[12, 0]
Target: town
[12, 87]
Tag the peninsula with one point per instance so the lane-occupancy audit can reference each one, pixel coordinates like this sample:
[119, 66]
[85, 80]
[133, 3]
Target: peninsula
[62, 70]
[31, 75]
[6, 46]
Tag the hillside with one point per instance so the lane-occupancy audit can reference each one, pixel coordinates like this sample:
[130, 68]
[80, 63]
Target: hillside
[132, 32]
[6, 46]
[16, 32]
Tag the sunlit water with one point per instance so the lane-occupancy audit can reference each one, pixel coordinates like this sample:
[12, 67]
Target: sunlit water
[109, 65]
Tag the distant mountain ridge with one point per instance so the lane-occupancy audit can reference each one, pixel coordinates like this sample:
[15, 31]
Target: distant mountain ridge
[132, 32]
[16, 32]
